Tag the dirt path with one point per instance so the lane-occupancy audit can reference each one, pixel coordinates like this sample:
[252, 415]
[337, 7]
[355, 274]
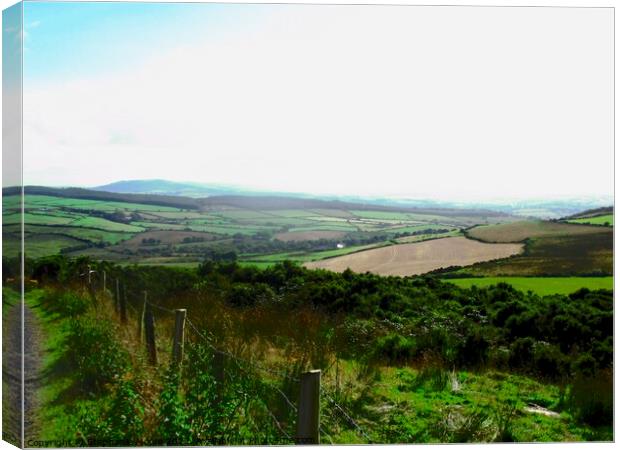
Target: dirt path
[11, 372]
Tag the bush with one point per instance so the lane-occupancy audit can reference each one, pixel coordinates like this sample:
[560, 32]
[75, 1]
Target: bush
[591, 399]
[473, 351]
[549, 361]
[95, 352]
[67, 304]
[120, 424]
[395, 348]
[521, 352]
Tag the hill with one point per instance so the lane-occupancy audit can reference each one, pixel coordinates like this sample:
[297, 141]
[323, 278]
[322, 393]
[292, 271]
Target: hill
[254, 202]
[605, 210]
[166, 187]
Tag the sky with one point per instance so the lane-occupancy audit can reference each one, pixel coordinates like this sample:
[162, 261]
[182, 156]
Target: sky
[437, 102]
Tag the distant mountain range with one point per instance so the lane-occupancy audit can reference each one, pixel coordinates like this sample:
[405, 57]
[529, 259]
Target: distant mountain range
[527, 208]
[166, 187]
[198, 195]
[255, 202]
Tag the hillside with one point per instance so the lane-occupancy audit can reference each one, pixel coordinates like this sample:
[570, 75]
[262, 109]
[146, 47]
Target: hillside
[254, 202]
[595, 212]
[166, 187]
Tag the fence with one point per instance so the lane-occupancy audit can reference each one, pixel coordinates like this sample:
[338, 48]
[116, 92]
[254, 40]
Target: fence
[308, 428]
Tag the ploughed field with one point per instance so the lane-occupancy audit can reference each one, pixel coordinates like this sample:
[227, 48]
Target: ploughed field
[418, 258]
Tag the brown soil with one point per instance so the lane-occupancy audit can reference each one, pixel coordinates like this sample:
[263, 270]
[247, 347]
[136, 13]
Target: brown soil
[418, 258]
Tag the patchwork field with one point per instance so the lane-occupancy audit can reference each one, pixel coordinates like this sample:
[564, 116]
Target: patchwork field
[252, 230]
[418, 258]
[309, 235]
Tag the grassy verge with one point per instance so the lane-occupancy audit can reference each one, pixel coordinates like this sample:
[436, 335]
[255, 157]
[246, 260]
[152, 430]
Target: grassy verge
[85, 371]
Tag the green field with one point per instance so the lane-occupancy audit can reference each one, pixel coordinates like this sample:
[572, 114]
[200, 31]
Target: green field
[540, 285]
[607, 220]
[308, 256]
[38, 245]
[104, 224]
[99, 227]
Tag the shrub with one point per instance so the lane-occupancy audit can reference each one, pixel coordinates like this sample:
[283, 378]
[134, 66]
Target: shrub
[395, 348]
[549, 361]
[521, 352]
[120, 424]
[65, 303]
[473, 350]
[591, 399]
[95, 352]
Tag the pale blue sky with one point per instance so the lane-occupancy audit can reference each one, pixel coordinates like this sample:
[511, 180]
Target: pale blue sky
[73, 39]
[437, 102]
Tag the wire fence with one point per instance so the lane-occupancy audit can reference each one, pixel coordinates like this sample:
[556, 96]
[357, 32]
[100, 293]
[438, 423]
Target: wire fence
[243, 365]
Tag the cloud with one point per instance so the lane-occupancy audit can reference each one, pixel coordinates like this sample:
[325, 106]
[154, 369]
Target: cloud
[359, 100]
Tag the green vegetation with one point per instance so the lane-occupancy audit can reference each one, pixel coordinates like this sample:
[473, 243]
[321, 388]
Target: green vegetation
[577, 255]
[410, 359]
[606, 220]
[551, 249]
[104, 224]
[97, 224]
[539, 285]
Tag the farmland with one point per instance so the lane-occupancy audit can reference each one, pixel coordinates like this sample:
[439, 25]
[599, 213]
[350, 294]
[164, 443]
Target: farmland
[419, 258]
[447, 357]
[519, 231]
[252, 231]
[606, 220]
[540, 285]
[551, 249]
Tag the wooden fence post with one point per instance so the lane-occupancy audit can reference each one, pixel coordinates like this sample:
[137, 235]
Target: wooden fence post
[104, 281]
[91, 286]
[308, 411]
[117, 297]
[122, 306]
[179, 336]
[149, 332]
[141, 318]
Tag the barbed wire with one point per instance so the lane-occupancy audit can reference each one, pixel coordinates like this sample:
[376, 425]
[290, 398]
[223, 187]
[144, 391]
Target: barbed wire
[238, 360]
[349, 418]
[326, 435]
[161, 308]
[288, 436]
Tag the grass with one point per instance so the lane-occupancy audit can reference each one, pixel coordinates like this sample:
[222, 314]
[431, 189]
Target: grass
[540, 285]
[607, 220]
[104, 224]
[426, 237]
[446, 411]
[569, 255]
[309, 256]
[34, 201]
[527, 229]
[389, 215]
[320, 226]
[38, 245]
[35, 219]
[88, 234]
